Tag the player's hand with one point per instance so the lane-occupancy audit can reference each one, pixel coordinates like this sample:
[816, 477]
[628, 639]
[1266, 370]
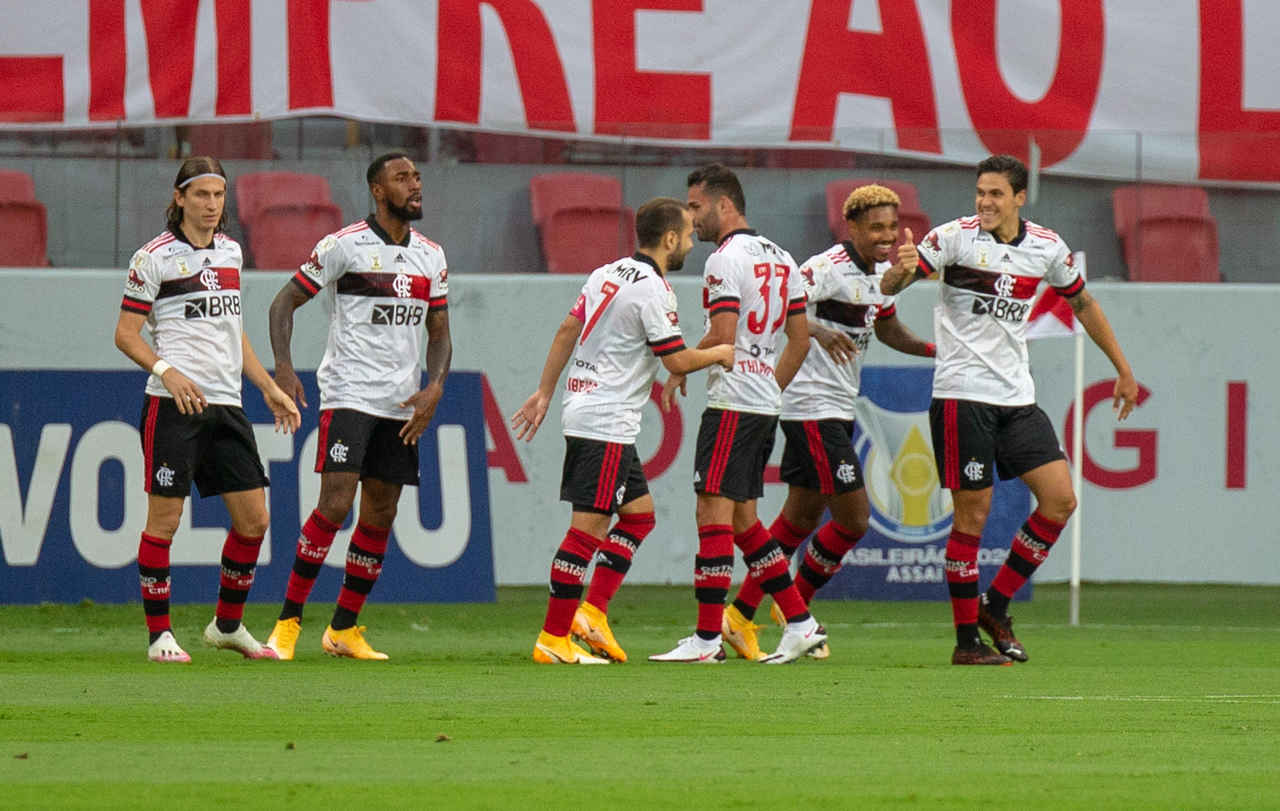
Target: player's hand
[424, 408]
[186, 394]
[674, 383]
[529, 416]
[839, 346]
[282, 408]
[724, 357]
[908, 257]
[289, 383]
[1125, 396]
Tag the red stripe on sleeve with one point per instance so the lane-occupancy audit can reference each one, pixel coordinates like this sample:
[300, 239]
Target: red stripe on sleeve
[669, 346]
[1073, 288]
[304, 282]
[133, 305]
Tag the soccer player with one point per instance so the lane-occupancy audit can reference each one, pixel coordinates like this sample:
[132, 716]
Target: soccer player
[623, 325]
[751, 297]
[845, 306]
[185, 286]
[384, 284]
[984, 410]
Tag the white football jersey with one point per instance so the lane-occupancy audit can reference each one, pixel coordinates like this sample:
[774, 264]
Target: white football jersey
[377, 294]
[752, 277]
[843, 295]
[985, 295]
[191, 298]
[629, 320]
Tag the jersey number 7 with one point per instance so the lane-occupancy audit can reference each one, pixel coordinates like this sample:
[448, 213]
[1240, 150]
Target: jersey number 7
[757, 322]
[609, 290]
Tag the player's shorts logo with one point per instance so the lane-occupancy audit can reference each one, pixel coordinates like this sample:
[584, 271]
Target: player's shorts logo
[209, 278]
[164, 476]
[1004, 285]
[403, 286]
[846, 473]
[973, 471]
[338, 452]
[622, 491]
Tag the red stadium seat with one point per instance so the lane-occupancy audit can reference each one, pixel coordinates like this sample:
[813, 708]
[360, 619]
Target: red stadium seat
[284, 215]
[581, 220]
[23, 234]
[16, 185]
[245, 140]
[910, 214]
[1166, 233]
[23, 222]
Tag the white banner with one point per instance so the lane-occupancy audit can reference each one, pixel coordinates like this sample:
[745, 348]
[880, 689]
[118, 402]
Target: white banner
[1174, 494]
[1158, 89]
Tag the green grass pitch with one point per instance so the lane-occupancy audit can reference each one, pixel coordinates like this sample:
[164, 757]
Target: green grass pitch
[1163, 697]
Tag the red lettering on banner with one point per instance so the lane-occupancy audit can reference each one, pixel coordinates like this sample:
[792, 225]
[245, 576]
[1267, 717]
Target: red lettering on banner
[1144, 442]
[1060, 120]
[893, 64]
[1235, 144]
[644, 103]
[106, 60]
[32, 88]
[310, 69]
[171, 44]
[672, 432]
[171, 48]
[504, 454]
[235, 83]
[1237, 433]
[539, 69]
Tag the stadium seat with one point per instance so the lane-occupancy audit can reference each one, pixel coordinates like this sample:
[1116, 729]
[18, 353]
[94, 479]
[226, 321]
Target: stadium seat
[245, 140]
[23, 222]
[581, 220]
[283, 215]
[910, 214]
[1166, 233]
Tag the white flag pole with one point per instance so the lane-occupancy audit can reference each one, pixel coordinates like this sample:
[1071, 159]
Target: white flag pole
[1077, 477]
[1077, 462]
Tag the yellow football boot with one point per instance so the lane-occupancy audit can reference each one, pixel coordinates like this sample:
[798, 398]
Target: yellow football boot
[740, 633]
[284, 637]
[560, 650]
[349, 642]
[591, 627]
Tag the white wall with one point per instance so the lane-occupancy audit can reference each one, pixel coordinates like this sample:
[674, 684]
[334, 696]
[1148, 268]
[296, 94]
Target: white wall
[1185, 344]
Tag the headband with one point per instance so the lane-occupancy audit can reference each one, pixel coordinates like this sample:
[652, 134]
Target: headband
[189, 180]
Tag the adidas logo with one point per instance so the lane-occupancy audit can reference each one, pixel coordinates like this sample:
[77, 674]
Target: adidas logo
[400, 257]
[1005, 258]
[206, 263]
[697, 477]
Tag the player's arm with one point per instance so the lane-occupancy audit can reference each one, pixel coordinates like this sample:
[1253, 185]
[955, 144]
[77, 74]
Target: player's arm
[282, 407]
[907, 270]
[1124, 395]
[689, 360]
[894, 334]
[723, 329]
[186, 394]
[529, 416]
[837, 344]
[280, 317]
[439, 359]
[797, 329]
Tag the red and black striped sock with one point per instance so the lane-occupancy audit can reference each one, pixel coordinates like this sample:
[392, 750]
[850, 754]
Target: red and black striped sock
[365, 553]
[568, 569]
[153, 574]
[823, 557]
[613, 558]
[962, 582]
[788, 538]
[1030, 547]
[239, 558]
[313, 545]
[712, 576]
[769, 567]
